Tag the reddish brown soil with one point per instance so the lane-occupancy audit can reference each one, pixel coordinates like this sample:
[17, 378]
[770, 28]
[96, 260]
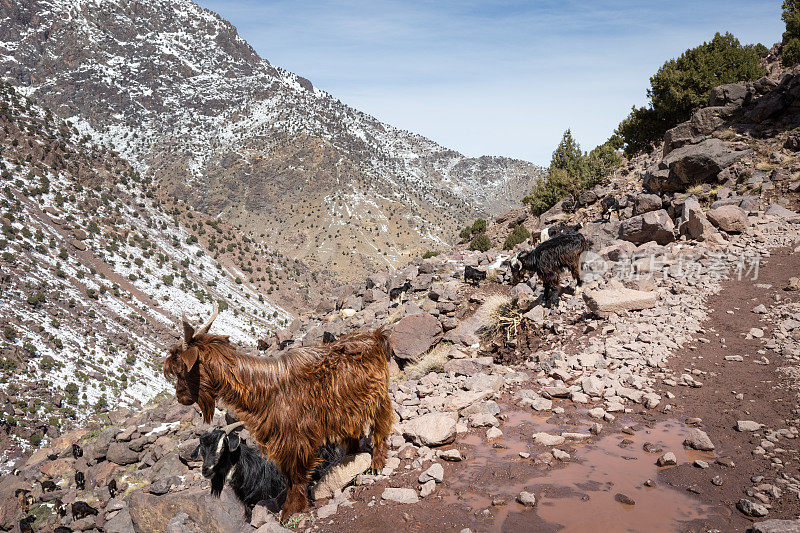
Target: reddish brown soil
[582, 495]
[768, 399]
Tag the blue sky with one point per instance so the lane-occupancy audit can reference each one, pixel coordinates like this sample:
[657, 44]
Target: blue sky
[491, 78]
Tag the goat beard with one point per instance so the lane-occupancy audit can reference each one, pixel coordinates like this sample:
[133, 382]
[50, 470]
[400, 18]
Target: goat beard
[206, 403]
[217, 483]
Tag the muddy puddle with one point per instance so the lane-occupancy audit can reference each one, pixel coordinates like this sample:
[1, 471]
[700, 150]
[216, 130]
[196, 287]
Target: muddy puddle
[585, 494]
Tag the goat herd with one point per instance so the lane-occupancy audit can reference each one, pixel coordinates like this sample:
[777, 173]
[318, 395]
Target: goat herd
[307, 407]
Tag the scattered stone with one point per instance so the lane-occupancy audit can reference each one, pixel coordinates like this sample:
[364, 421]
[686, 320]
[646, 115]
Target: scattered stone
[615, 301]
[624, 499]
[747, 425]
[749, 508]
[493, 433]
[432, 429]
[400, 495]
[527, 499]
[668, 459]
[698, 440]
[776, 526]
[435, 472]
[427, 488]
[545, 439]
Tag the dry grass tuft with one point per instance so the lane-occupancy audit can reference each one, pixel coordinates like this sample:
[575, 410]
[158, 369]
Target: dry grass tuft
[432, 361]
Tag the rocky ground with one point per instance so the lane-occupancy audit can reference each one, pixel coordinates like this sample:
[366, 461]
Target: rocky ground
[661, 397]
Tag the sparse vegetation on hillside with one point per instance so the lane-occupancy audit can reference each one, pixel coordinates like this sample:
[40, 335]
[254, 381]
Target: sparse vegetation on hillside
[480, 242]
[517, 235]
[682, 85]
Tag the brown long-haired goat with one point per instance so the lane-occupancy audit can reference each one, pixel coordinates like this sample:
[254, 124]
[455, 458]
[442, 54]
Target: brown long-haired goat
[294, 403]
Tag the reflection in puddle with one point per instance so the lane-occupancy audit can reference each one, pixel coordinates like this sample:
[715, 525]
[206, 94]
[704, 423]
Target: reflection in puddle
[592, 492]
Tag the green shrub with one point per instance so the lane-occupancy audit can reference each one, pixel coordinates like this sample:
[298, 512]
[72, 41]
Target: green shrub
[35, 439]
[517, 236]
[572, 171]
[481, 243]
[10, 333]
[466, 233]
[479, 226]
[790, 54]
[682, 85]
[36, 299]
[429, 254]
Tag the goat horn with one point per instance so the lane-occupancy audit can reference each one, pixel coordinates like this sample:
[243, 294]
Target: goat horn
[204, 328]
[230, 427]
[187, 327]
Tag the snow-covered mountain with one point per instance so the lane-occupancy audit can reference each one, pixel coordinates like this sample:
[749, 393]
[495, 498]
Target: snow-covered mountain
[95, 270]
[176, 91]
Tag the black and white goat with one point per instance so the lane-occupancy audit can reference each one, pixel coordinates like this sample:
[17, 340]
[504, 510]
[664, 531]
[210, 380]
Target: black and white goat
[473, 276]
[398, 292]
[547, 260]
[558, 229]
[610, 204]
[226, 459]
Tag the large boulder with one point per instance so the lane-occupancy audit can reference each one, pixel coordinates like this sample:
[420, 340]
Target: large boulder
[729, 94]
[433, 429]
[414, 335]
[774, 525]
[646, 203]
[608, 301]
[652, 226]
[692, 164]
[204, 512]
[730, 218]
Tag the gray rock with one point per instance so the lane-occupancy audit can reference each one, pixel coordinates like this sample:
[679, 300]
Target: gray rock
[528, 499]
[668, 459]
[749, 508]
[608, 301]
[776, 526]
[400, 495]
[692, 164]
[646, 203]
[652, 226]
[434, 472]
[414, 335]
[698, 440]
[729, 218]
[432, 429]
[119, 453]
[747, 425]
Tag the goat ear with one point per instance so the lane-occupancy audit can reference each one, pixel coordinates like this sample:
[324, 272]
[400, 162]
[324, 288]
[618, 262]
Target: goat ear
[233, 441]
[195, 453]
[189, 357]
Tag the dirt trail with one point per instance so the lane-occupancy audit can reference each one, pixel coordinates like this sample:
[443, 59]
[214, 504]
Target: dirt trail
[582, 495]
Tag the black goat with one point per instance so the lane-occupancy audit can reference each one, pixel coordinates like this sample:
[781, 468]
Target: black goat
[547, 260]
[285, 344]
[252, 477]
[328, 337]
[80, 480]
[48, 486]
[77, 451]
[398, 292]
[26, 524]
[112, 488]
[473, 276]
[82, 510]
[568, 204]
[610, 204]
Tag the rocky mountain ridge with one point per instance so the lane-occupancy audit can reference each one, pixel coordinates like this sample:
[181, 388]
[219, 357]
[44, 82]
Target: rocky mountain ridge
[176, 91]
[96, 270]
